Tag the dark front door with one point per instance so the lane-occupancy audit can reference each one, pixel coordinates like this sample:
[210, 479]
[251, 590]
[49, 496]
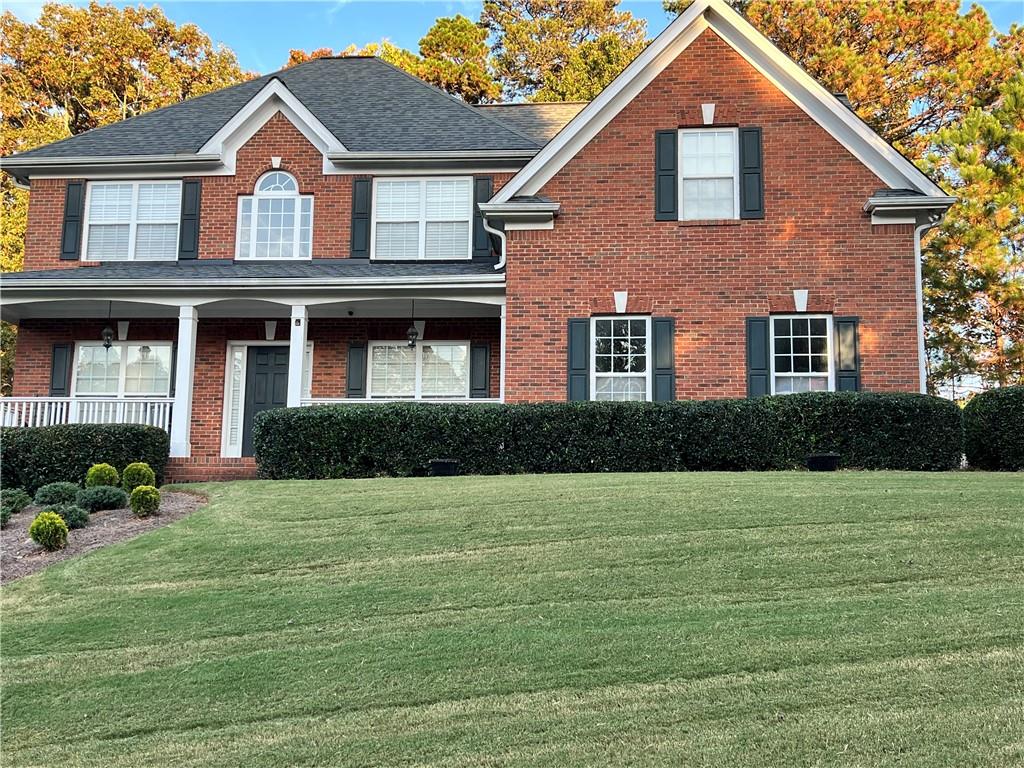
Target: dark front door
[266, 386]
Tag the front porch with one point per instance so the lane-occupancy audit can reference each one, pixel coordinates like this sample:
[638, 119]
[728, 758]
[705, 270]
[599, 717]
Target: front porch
[203, 370]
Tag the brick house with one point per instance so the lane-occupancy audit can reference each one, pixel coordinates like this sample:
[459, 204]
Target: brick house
[714, 224]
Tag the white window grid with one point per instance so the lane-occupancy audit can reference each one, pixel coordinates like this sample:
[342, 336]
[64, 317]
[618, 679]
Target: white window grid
[423, 219]
[829, 377]
[417, 391]
[122, 346]
[647, 373]
[691, 174]
[132, 221]
[284, 189]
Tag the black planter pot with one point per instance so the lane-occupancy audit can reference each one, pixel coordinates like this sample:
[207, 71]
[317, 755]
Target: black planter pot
[443, 467]
[823, 462]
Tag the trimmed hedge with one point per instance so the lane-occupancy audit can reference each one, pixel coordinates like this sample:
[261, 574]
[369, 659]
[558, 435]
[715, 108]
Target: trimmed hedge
[34, 456]
[994, 429]
[869, 431]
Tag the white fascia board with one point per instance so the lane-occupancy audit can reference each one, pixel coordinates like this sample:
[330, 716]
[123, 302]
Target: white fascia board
[274, 97]
[808, 94]
[129, 166]
[909, 203]
[128, 286]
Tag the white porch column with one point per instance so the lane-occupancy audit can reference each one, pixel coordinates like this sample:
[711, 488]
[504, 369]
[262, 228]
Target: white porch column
[296, 355]
[184, 373]
[501, 360]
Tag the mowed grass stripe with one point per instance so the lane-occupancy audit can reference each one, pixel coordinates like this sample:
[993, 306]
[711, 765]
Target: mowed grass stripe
[322, 603]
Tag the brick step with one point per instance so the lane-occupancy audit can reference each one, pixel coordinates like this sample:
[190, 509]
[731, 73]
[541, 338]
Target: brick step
[200, 469]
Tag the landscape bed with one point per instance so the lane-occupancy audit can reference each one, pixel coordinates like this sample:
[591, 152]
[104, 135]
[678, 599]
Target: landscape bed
[797, 619]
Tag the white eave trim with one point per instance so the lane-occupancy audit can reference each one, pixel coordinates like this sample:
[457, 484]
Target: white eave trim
[313, 284]
[521, 212]
[469, 161]
[909, 203]
[814, 99]
[15, 161]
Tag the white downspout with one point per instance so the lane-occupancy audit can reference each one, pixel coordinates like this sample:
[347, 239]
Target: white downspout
[501, 236]
[922, 370]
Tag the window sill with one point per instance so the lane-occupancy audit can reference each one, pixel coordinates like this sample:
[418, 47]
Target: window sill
[710, 223]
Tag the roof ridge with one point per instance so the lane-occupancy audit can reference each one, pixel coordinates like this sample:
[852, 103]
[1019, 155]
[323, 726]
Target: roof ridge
[458, 101]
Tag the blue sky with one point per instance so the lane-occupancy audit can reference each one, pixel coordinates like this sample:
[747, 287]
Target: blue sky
[261, 33]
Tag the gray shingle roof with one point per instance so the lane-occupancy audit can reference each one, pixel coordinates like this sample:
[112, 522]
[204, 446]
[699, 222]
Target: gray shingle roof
[368, 104]
[226, 269]
[540, 121]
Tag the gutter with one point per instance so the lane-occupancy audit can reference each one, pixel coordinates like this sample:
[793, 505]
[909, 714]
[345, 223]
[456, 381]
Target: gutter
[23, 167]
[135, 284]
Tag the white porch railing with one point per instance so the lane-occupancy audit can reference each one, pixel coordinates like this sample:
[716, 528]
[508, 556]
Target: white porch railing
[47, 411]
[356, 400]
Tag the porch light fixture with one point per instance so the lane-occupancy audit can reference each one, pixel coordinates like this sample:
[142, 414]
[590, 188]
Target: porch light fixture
[413, 333]
[108, 333]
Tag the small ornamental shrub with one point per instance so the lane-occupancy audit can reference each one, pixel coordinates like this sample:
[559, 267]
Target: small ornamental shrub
[14, 499]
[102, 497]
[49, 531]
[994, 430]
[101, 475]
[56, 493]
[5, 516]
[73, 515]
[34, 456]
[137, 474]
[145, 501]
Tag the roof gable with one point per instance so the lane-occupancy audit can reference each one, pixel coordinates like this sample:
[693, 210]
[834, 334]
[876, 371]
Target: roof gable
[802, 89]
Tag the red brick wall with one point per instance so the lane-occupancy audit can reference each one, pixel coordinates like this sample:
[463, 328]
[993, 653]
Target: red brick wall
[330, 338]
[710, 276]
[45, 223]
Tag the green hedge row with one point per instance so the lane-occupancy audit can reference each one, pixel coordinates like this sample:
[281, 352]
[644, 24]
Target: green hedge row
[994, 429]
[869, 431]
[34, 456]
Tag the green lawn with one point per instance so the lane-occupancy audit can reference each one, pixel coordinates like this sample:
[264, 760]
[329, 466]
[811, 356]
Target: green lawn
[789, 619]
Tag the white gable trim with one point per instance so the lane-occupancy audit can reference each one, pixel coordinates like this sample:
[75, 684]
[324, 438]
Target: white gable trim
[274, 97]
[809, 95]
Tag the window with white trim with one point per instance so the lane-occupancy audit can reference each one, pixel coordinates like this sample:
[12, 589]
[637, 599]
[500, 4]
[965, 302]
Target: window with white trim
[620, 358]
[275, 222]
[434, 369]
[801, 353]
[422, 219]
[708, 173]
[132, 220]
[124, 369]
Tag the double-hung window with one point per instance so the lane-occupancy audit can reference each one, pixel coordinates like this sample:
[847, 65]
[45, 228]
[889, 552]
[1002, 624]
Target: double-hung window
[275, 222]
[801, 353]
[437, 369]
[620, 358]
[708, 175]
[126, 220]
[422, 219]
[122, 370]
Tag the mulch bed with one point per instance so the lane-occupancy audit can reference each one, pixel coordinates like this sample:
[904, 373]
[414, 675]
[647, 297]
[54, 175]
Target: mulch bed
[20, 556]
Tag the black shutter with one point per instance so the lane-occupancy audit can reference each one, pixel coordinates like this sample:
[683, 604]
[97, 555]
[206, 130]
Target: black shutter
[758, 370]
[663, 332]
[71, 232]
[482, 186]
[847, 358]
[751, 174]
[480, 370]
[60, 370]
[356, 370]
[666, 168]
[188, 236]
[174, 367]
[579, 359]
[362, 194]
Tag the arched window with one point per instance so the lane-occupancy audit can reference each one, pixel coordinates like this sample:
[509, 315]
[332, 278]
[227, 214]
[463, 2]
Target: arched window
[276, 222]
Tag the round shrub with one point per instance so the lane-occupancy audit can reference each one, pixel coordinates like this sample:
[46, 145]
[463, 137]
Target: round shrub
[136, 474]
[14, 499]
[102, 497]
[145, 501]
[994, 429]
[73, 515]
[5, 516]
[56, 493]
[49, 531]
[101, 475]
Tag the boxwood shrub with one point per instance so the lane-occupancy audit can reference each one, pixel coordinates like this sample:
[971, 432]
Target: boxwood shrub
[869, 431]
[49, 531]
[145, 501]
[994, 429]
[34, 456]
